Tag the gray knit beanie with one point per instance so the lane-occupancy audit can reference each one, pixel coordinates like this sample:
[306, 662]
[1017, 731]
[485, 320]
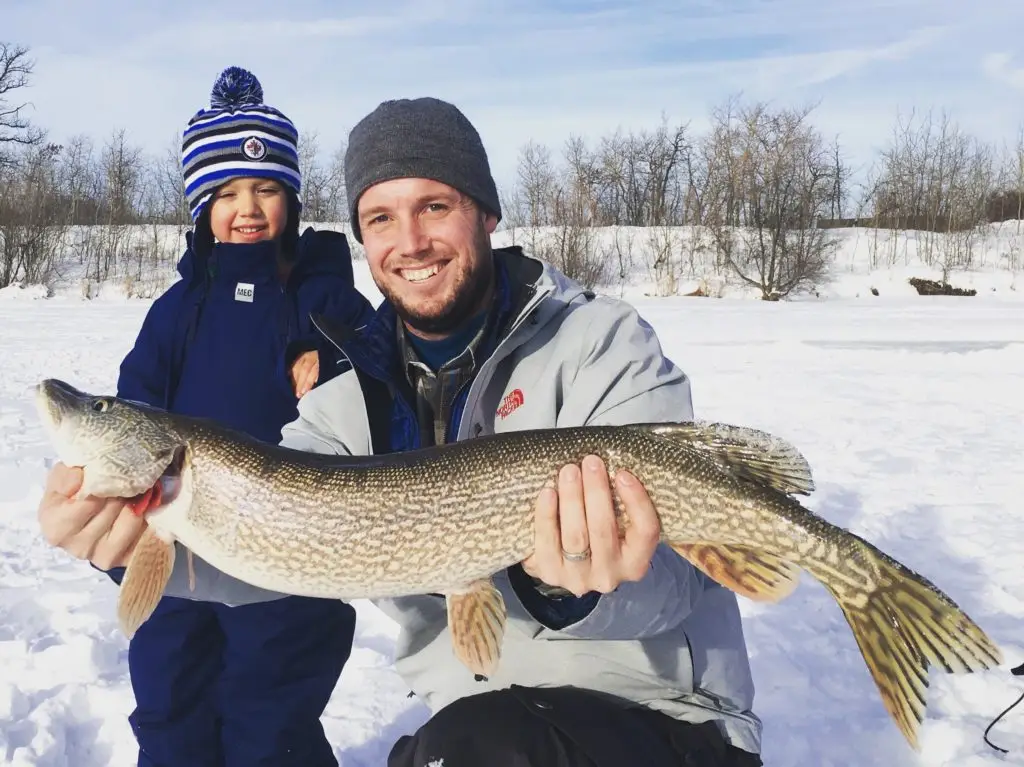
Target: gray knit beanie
[418, 138]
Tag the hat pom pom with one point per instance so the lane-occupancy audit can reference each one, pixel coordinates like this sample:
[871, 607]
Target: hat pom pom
[236, 87]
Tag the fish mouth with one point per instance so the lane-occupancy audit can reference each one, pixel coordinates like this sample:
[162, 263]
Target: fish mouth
[56, 404]
[54, 398]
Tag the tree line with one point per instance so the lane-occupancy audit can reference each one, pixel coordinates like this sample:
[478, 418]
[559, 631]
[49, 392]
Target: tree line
[760, 192]
[94, 199]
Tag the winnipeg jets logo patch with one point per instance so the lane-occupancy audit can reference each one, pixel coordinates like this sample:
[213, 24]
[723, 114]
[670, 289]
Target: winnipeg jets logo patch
[254, 148]
[244, 291]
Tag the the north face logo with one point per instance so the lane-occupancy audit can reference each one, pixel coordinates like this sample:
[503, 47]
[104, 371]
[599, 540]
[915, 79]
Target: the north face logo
[512, 400]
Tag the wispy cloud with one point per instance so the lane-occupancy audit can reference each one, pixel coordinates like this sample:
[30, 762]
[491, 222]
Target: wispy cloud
[540, 69]
[999, 66]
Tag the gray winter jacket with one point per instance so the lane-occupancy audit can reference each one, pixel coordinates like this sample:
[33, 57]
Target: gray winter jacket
[673, 641]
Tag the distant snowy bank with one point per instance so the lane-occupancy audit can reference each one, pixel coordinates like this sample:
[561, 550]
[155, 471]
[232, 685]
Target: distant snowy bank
[637, 262]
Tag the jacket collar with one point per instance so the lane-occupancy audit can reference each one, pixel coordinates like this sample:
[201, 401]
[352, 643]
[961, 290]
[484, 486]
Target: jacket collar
[379, 350]
[316, 252]
[528, 290]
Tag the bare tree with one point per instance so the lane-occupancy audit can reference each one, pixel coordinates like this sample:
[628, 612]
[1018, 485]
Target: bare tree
[573, 249]
[622, 245]
[170, 205]
[15, 128]
[581, 181]
[716, 177]
[929, 177]
[663, 153]
[938, 180]
[78, 182]
[335, 196]
[565, 200]
[644, 176]
[780, 181]
[315, 179]
[663, 259]
[1015, 205]
[32, 229]
[121, 173]
[122, 168]
[841, 173]
[514, 212]
[537, 183]
[1017, 174]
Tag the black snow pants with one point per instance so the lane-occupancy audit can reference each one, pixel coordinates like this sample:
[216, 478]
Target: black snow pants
[561, 727]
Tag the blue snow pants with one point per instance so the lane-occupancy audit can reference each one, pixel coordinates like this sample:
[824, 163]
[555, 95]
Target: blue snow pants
[219, 686]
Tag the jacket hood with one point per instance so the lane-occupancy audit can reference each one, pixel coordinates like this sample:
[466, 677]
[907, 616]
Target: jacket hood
[542, 291]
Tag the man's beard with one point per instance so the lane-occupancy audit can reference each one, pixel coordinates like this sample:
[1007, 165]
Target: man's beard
[467, 295]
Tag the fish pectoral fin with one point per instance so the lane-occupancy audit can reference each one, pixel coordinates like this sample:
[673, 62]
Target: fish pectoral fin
[476, 622]
[145, 578]
[747, 453]
[743, 569]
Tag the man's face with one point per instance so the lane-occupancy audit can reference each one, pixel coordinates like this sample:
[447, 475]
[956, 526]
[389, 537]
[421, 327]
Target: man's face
[429, 251]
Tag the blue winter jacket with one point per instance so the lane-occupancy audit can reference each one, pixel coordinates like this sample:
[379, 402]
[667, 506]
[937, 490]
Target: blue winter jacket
[219, 342]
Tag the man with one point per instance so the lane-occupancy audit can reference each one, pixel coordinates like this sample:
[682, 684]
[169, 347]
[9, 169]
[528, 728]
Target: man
[615, 653]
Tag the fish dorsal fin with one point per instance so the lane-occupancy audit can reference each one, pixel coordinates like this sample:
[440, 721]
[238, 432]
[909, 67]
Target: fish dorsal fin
[747, 453]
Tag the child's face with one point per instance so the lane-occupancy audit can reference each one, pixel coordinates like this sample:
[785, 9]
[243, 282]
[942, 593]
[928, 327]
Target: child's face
[248, 210]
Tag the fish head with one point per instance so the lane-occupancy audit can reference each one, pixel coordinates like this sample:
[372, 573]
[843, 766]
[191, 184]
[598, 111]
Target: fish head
[123, 447]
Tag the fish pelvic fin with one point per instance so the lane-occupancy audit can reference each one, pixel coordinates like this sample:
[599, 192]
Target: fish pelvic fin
[751, 573]
[476, 622]
[145, 578]
[746, 453]
[904, 626]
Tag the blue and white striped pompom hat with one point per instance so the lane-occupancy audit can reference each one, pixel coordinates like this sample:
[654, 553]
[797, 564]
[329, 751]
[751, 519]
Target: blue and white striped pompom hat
[237, 136]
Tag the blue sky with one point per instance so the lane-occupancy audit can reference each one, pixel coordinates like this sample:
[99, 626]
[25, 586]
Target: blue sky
[539, 69]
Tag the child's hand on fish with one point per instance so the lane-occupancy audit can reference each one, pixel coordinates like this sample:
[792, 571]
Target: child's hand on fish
[577, 535]
[304, 372]
[101, 530]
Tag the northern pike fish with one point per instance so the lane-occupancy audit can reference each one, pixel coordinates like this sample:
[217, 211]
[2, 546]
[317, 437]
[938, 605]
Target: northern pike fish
[445, 519]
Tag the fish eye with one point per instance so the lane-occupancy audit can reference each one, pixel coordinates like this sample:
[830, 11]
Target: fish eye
[101, 405]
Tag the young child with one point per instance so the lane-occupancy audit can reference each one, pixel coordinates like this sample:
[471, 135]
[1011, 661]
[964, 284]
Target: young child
[232, 340]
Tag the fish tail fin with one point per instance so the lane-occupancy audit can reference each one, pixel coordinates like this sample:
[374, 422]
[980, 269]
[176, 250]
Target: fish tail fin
[904, 626]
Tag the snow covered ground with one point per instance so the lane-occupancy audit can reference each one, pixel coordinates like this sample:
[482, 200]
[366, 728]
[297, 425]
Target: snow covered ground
[910, 411]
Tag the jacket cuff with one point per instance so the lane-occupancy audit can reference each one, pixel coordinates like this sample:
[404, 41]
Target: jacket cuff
[116, 574]
[554, 612]
[640, 609]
